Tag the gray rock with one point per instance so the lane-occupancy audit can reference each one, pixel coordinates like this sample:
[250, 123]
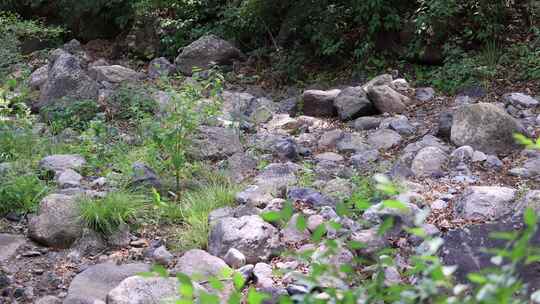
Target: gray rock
[493, 162]
[402, 125]
[372, 240]
[378, 212]
[291, 234]
[216, 143]
[235, 258]
[253, 196]
[366, 123]
[365, 160]
[530, 200]
[39, 77]
[445, 124]
[241, 166]
[338, 189]
[460, 155]
[142, 290]
[90, 243]
[200, 265]
[314, 221]
[9, 244]
[352, 143]
[329, 139]
[57, 224]
[485, 127]
[425, 94]
[205, 52]
[277, 177]
[387, 100]
[485, 203]
[162, 256]
[145, 176]
[66, 78]
[160, 67]
[329, 156]
[530, 169]
[309, 196]
[319, 103]
[429, 161]
[352, 102]
[49, 300]
[384, 79]
[62, 162]
[113, 74]
[286, 149]
[68, 179]
[93, 284]
[262, 273]
[466, 248]
[521, 100]
[255, 238]
[479, 156]
[384, 139]
[400, 85]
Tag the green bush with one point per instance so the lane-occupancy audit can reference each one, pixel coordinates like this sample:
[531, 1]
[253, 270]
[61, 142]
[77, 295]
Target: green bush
[20, 193]
[106, 215]
[70, 114]
[130, 102]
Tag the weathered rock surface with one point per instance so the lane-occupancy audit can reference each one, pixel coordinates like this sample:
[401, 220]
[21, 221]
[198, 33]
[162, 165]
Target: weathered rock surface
[429, 161]
[486, 203]
[141, 290]
[200, 265]
[352, 102]
[93, 284]
[62, 162]
[66, 78]
[113, 73]
[252, 236]
[319, 103]
[216, 143]
[387, 100]
[485, 127]
[206, 51]
[57, 223]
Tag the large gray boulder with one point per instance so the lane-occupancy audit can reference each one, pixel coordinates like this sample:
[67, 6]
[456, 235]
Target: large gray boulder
[66, 78]
[160, 67]
[39, 77]
[521, 100]
[486, 203]
[352, 102]
[113, 73]
[206, 51]
[62, 162]
[216, 143]
[252, 236]
[93, 284]
[9, 244]
[200, 265]
[387, 100]
[429, 161]
[57, 224]
[486, 128]
[384, 139]
[319, 103]
[142, 290]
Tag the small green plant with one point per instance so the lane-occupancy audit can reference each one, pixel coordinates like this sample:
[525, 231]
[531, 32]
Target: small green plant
[188, 109]
[20, 193]
[306, 177]
[130, 103]
[192, 213]
[106, 215]
[70, 114]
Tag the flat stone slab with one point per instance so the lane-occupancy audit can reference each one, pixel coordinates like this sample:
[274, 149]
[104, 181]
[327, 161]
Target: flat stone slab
[9, 243]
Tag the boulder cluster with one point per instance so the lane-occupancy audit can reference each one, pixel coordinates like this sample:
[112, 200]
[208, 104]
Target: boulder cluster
[456, 158]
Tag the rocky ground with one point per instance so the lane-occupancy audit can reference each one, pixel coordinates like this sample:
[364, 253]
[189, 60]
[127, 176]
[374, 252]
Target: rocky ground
[455, 156]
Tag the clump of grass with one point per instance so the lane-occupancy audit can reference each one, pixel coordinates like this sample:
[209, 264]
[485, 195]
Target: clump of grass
[106, 215]
[21, 193]
[193, 211]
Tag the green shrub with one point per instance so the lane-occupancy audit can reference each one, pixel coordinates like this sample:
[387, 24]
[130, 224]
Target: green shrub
[130, 103]
[192, 211]
[106, 215]
[70, 114]
[20, 193]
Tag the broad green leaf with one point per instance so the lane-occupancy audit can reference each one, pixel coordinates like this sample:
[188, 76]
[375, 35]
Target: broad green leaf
[271, 216]
[477, 278]
[319, 232]
[301, 224]
[238, 281]
[255, 297]
[394, 204]
[530, 217]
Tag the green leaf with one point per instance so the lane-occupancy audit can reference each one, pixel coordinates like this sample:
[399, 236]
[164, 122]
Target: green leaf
[271, 216]
[160, 270]
[477, 278]
[207, 298]
[386, 225]
[530, 217]
[301, 224]
[394, 204]
[255, 297]
[215, 284]
[186, 286]
[238, 281]
[234, 298]
[319, 232]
